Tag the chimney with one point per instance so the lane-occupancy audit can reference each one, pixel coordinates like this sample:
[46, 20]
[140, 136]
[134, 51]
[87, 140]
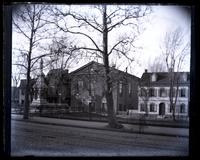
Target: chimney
[145, 70]
[126, 69]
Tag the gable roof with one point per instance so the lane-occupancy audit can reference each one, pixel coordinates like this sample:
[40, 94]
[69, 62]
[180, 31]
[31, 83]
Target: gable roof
[55, 71]
[85, 66]
[23, 83]
[163, 78]
[101, 65]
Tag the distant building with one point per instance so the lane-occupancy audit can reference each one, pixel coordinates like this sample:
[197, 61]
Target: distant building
[57, 90]
[22, 89]
[88, 89]
[15, 95]
[158, 85]
[58, 86]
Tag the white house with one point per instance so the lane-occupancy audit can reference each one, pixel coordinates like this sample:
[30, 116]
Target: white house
[154, 93]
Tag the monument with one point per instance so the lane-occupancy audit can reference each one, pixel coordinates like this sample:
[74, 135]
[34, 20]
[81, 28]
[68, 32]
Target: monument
[39, 88]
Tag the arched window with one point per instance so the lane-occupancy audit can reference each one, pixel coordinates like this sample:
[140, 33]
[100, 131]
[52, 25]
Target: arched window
[182, 108]
[120, 88]
[129, 89]
[153, 107]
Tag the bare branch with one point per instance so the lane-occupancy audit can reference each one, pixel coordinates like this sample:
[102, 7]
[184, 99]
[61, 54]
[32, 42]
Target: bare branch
[21, 31]
[22, 65]
[81, 18]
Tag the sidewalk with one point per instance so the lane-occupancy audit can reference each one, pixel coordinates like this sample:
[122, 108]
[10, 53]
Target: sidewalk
[155, 130]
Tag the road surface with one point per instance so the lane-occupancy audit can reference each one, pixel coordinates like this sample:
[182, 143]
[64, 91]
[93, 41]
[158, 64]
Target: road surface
[35, 139]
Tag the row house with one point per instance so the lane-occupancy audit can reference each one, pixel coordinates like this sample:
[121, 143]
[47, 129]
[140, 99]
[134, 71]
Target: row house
[88, 89]
[154, 93]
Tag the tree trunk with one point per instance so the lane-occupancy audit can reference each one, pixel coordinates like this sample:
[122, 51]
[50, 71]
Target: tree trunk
[171, 95]
[28, 86]
[27, 95]
[109, 97]
[173, 113]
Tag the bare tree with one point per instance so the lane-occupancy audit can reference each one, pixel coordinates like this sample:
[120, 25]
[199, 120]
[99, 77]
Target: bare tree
[158, 64]
[175, 48]
[104, 20]
[144, 95]
[27, 21]
[63, 53]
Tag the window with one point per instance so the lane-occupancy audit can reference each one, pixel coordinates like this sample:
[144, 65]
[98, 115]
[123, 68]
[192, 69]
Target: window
[170, 109]
[103, 107]
[129, 89]
[92, 88]
[120, 107]
[80, 84]
[152, 92]
[143, 92]
[120, 88]
[23, 91]
[124, 109]
[182, 108]
[142, 107]
[183, 92]
[129, 106]
[185, 77]
[173, 92]
[135, 107]
[152, 107]
[177, 109]
[162, 92]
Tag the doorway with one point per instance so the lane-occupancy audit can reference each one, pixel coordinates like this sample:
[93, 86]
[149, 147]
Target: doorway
[162, 109]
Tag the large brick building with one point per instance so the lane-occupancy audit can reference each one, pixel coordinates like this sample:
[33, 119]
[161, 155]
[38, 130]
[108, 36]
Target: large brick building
[88, 89]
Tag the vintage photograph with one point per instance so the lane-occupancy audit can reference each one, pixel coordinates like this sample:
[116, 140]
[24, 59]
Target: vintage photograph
[100, 80]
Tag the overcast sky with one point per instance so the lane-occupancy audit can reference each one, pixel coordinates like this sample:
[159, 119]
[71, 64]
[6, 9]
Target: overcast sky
[162, 19]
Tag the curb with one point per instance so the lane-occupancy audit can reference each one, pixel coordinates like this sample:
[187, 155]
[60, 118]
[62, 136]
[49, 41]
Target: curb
[108, 129]
[152, 123]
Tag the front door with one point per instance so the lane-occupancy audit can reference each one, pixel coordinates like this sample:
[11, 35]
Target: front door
[161, 109]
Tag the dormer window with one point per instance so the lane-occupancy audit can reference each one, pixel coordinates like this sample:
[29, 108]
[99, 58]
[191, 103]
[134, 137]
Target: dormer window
[154, 77]
[184, 77]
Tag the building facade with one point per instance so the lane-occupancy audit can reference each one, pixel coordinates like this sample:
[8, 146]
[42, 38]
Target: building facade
[22, 89]
[88, 89]
[154, 93]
